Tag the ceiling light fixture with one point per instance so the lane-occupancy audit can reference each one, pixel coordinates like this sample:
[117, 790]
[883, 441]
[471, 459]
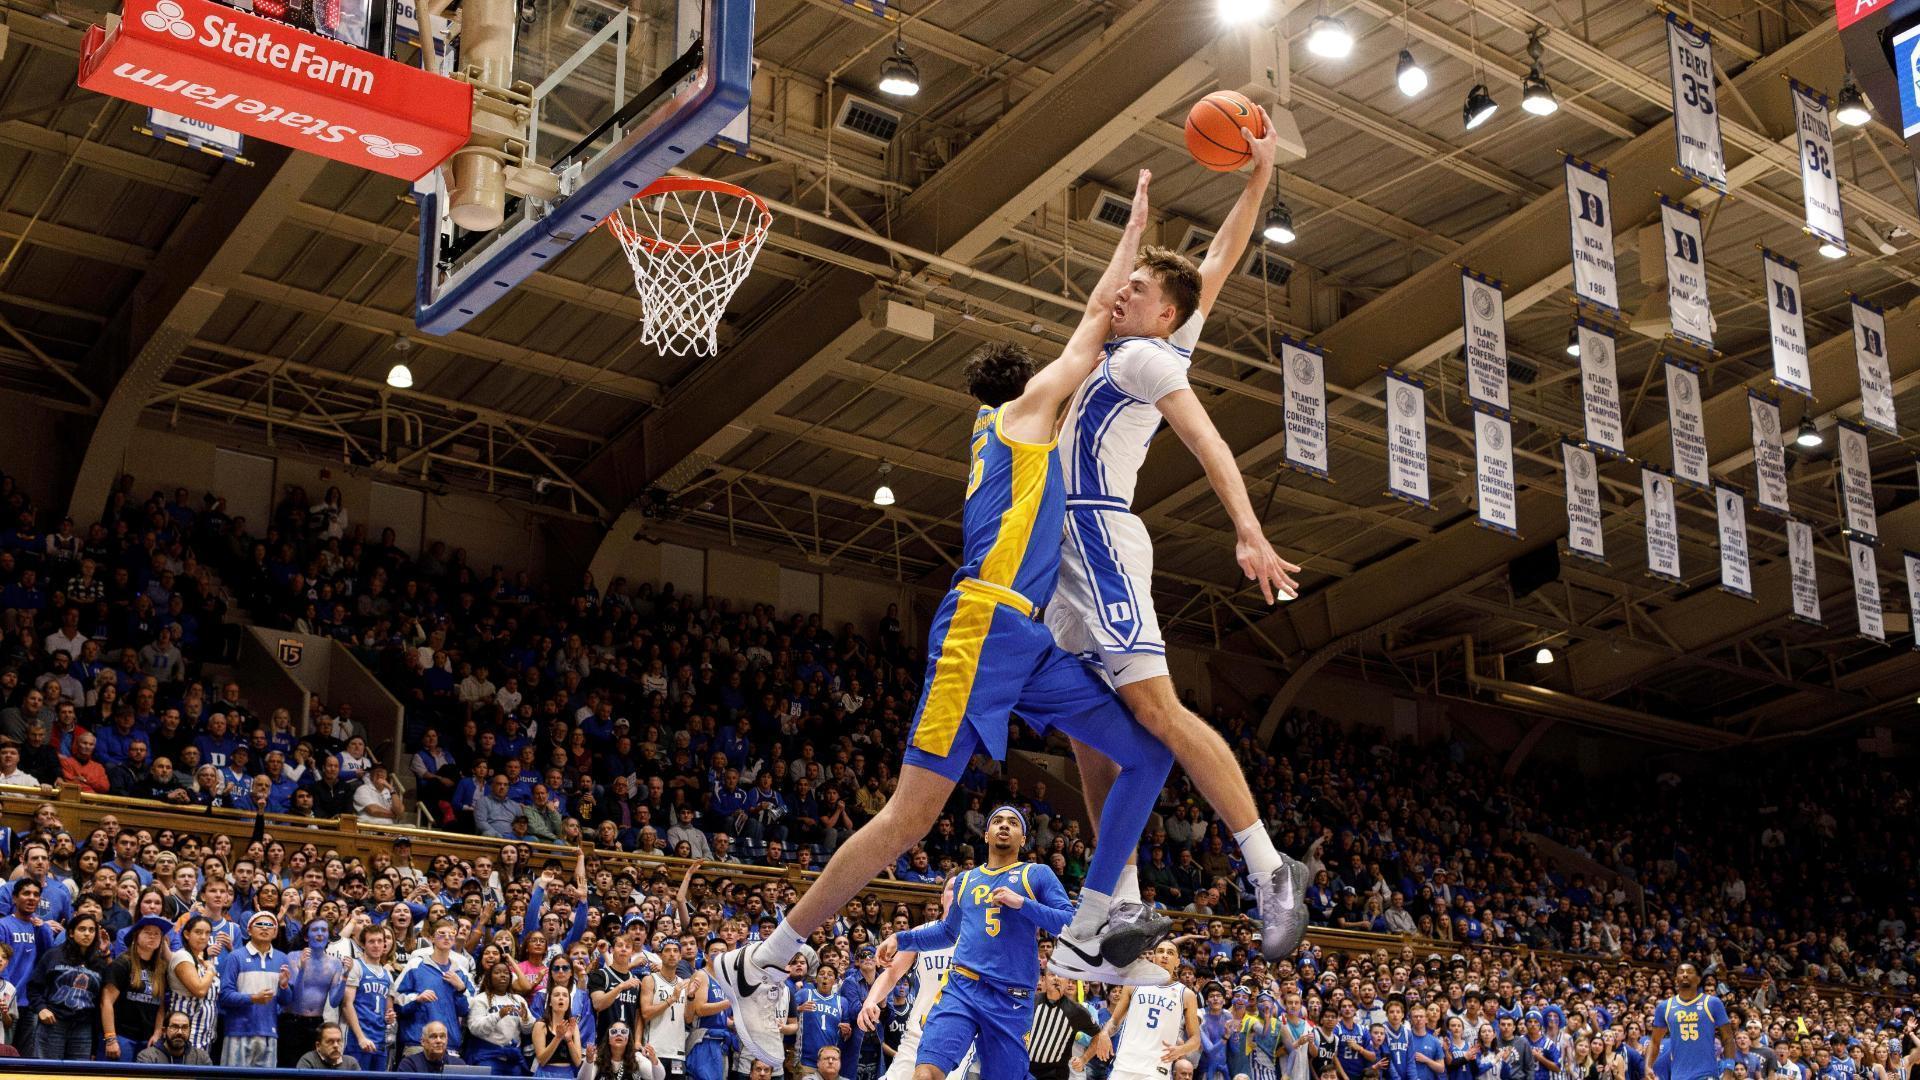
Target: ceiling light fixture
[883, 495]
[1809, 435]
[1832, 250]
[899, 75]
[1279, 228]
[1410, 75]
[400, 376]
[1329, 37]
[1536, 95]
[1850, 105]
[1573, 341]
[1234, 12]
[1543, 656]
[1479, 108]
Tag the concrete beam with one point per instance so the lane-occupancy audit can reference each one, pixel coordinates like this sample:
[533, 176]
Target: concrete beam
[187, 281]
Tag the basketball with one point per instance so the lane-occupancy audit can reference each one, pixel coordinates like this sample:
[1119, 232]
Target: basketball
[1217, 130]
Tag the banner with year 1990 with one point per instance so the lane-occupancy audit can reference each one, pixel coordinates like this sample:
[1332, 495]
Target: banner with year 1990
[1819, 188]
[1769, 453]
[1786, 323]
[1663, 529]
[1866, 590]
[1696, 121]
[1407, 439]
[1484, 322]
[1585, 536]
[1306, 406]
[1600, 388]
[1590, 225]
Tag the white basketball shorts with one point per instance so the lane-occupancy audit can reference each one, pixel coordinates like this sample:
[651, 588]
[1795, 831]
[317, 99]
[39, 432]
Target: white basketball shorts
[1102, 609]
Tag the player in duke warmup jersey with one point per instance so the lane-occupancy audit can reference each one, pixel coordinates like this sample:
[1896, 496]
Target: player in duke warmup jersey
[1104, 609]
[663, 1008]
[989, 656]
[1154, 1023]
[1691, 1018]
[928, 973]
[987, 1002]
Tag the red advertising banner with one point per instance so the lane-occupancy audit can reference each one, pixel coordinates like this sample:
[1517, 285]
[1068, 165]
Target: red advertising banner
[1852, 11]
[279, 83]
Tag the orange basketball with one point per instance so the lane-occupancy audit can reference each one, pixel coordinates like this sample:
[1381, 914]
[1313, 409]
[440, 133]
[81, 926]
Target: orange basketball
[1217, 130]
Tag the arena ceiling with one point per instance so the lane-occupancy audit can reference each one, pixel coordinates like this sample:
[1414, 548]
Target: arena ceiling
[146, 283]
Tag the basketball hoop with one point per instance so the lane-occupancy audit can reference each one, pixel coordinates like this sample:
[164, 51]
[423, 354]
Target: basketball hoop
[691, 242]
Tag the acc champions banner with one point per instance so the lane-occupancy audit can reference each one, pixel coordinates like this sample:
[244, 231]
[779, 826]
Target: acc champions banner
[1736, 570]
[1685, 424]
[1306, 409]
[1407, 439]
[1769, 453]
[1584, 527]
[1866, 590]
[1856, 480]
[1600, 388]
[1806, 583]
[1663, 530]
[1485, 323]
[1493, 475]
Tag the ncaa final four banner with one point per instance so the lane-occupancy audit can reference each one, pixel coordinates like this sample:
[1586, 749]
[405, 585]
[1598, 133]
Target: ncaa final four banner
[1686, 426]
[1585, 537]
[1806, 583]
[1696, 121]
[1866, 590]
[1493, 475]
[1485, 325]
[1736, 569]
[1663, 530]
[1306, 406]
[1913, 596]
[1856, 480]
[1769, 453]
[1689, 314]
[1819, 188]
[1600, 388]
[1407, 439]
[1589, 219]
[1870, 354]
[1784, 320]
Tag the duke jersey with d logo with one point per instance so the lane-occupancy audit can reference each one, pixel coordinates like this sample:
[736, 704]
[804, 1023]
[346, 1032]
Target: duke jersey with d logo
[1105, 614]
[1156, 1019]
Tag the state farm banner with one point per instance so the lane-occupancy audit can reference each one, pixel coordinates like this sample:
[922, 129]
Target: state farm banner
[1590, 223]
[1866, 590]
[1584, 534]
[1856, 480]
[1819, 187]
[1913, 597]
[1785, 321]
[1696, 120]
[1870, 354]
[1485, 326]
[1736, 570]
[1806, 582]
[1493, 475]
[1769, 453]
[1686, 426]
[1407, 439]
[1306, 408]
[1663, 529]
[1689, 313]
[1600, 387]
[275, 82]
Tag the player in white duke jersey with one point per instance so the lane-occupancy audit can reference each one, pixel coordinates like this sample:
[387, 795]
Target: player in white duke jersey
[1157, 1025]
[929, 973]
[1103, 608]
[663, 1007]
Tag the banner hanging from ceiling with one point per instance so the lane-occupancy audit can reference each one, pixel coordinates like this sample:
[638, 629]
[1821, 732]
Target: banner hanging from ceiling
[1585, 536]
[1690, 316]
[1485, 323]
[1819, 187]
[1736, 570]
[1306, 406]
[1866, 590]
[1686, 425]
[1663, 529]
[1407, 439]
[1856, 480]
[1786, 323]
[1696, 120]
[1912, 560]
[1870, 355]
[1769, 453]
[1600, 387]
[1493, 475]
[1806, 583]
[1590, 223]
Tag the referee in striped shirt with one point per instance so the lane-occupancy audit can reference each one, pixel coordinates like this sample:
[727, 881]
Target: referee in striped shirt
[1056, 1017]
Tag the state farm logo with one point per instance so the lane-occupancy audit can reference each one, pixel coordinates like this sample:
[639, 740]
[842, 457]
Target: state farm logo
[167, 17]
[382, 147]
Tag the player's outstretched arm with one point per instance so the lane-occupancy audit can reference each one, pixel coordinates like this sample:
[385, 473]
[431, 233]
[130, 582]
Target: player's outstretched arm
[883, 985]
[1189, 420]
[1054, 384]
[1236, 229]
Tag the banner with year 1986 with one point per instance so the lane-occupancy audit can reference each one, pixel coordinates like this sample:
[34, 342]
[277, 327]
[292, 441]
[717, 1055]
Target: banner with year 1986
[1600, 387]
[1686, 425]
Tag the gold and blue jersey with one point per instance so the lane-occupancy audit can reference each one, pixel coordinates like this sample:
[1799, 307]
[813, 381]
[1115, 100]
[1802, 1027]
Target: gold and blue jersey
[992, 942]
[1014, 513]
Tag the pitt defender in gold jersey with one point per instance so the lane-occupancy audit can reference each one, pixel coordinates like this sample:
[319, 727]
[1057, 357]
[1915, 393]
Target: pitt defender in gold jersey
[989, 655]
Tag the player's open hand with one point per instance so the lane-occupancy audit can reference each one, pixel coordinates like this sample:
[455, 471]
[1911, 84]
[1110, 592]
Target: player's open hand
[1102, 1046]
[890, 944]
[1007, 898]
[869, 1017]
[1264, 565]
[1137, 215]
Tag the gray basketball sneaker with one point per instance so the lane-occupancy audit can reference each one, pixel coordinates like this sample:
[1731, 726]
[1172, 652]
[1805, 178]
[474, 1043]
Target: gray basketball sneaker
[1281, 897]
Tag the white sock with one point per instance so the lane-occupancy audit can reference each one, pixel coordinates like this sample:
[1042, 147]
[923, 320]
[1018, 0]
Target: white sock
[1127, 890]
[780, 948]
[1257, 846]
[1092, 912]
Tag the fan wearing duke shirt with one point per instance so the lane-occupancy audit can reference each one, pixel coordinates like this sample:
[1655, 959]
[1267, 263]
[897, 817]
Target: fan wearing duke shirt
[1691, 1018]
[987, 1003]
[1103, 610]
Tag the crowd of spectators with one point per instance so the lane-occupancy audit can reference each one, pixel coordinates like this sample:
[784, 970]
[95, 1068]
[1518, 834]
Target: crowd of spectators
[652, 723]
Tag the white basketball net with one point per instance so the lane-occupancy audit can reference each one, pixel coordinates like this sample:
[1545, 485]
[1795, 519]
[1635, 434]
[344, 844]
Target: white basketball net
[691, 244]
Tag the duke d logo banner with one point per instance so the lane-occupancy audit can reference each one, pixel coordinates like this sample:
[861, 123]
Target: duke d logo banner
[1590, 221]
[1786, 322]
[1870, 354]
[1691, 318]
